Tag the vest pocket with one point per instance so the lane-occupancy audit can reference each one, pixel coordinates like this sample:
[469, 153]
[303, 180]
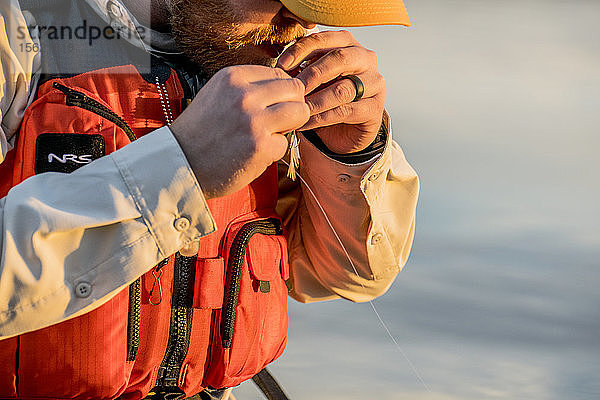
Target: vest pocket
[250, 330]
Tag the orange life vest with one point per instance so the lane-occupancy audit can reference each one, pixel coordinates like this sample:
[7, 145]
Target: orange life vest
[213, 320]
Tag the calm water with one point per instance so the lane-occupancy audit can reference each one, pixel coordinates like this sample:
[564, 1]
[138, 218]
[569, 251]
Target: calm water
[497, 106]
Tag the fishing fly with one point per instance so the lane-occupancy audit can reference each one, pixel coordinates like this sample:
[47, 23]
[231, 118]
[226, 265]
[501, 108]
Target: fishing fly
[294, 155]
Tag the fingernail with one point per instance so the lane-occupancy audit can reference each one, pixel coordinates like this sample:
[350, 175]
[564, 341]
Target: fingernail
[310, 105]
[285, 61]
[304, 83]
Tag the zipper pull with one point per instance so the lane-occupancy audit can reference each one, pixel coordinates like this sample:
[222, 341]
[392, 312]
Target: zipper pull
[157, 273]
[73, 97]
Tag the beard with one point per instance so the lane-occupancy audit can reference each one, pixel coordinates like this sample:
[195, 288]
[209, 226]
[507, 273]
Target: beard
[208, 33]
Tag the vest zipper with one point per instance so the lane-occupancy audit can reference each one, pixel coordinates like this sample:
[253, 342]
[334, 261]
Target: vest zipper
[78, 99]
[169, 372]
[133, 323]
[271, 226]
[180, 326]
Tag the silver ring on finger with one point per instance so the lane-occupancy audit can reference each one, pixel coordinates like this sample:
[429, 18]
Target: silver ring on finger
[358, 85]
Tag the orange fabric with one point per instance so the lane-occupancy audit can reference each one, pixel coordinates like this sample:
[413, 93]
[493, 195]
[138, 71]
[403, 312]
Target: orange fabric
[85, 357]
[8, 379]
[263, 266]
[6, 171]
[210, 283]
[82, 357]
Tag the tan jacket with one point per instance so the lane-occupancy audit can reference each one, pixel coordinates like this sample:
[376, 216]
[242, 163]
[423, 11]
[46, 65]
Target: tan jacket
[112, 220]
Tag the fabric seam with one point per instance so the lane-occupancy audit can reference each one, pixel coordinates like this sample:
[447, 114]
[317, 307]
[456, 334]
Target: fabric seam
[139, 202]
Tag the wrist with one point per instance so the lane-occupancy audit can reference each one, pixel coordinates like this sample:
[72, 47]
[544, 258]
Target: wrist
[374, 149]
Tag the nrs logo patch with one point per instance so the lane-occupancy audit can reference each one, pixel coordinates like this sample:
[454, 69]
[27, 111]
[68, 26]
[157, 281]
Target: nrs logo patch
[65, 152]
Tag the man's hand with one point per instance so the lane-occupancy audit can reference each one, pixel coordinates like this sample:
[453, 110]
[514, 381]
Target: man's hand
[233, 130]
[343, 125]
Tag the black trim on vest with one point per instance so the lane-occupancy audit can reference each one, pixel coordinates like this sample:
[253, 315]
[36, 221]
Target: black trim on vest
[158, 69]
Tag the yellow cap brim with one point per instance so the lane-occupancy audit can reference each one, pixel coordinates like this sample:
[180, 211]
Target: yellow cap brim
[350, 12]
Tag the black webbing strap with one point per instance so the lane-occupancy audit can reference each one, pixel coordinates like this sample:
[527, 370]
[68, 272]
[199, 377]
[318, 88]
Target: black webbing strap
[269, 386]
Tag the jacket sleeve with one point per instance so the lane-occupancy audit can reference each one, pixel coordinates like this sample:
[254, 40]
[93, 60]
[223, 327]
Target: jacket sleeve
[372, 209]
[19, 63]
[99, 228]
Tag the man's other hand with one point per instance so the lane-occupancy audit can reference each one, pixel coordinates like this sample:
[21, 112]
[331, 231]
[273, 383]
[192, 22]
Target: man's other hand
[234, 129]
[343, 125]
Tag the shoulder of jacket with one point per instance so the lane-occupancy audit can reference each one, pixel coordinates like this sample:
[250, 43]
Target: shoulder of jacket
[20, 61]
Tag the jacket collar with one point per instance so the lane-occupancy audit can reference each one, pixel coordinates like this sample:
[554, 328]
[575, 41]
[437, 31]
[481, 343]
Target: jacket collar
[122, 20]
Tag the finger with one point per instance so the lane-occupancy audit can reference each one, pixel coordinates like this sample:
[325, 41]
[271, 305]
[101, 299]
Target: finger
[314, 57]
[285, 117]
[341, 61]
[343, 92]
[350, 114]
[317, 42]
[278, 146]
[241, 74]
[270, 92]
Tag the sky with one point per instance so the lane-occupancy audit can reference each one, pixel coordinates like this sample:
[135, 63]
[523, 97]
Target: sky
[496, 106]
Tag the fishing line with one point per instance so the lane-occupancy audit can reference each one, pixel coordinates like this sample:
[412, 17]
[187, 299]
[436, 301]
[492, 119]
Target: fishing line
[381, 321]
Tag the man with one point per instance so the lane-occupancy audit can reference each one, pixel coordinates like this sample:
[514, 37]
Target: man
[199, 187]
